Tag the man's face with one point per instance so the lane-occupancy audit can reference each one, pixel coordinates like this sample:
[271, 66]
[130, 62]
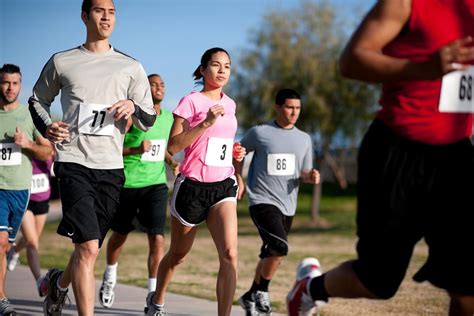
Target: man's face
[289, 112]
[10, 86]
[157, 87]
[101, 19]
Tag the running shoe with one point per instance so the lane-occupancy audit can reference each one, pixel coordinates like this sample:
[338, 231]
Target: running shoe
[298, 301]
[152, 309]
[54, 302]
[262, 302]
[106, 293]
[13, 258]
[248, 306]
[6, 308]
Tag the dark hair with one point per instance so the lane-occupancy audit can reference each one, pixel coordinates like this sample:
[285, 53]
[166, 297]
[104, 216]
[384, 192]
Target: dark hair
[284, 94]
[206, 57]
[10, 69]
[86, 6]
[153, 75]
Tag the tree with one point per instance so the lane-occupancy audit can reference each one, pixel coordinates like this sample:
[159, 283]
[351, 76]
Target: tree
[299, 49]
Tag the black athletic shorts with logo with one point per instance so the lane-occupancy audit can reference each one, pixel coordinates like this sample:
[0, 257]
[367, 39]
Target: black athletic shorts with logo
[38, 208]
[408, 191]
[192, 200]
[273, 227]
[148, 205]
[89, 199]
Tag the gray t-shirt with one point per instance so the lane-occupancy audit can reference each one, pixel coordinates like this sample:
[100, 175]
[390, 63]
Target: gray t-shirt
[279, 157]
[88, 83]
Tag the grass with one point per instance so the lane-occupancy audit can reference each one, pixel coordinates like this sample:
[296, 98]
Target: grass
[332, 245]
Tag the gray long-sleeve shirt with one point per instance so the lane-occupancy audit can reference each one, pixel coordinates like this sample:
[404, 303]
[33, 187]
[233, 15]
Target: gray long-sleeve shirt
[89, 83]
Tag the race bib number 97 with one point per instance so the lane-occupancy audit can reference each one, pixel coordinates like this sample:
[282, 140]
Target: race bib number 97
[39, 183]
[457, 94]
[219, 152]
[10, 154]
[157, 151]
[281, 164]
[94, 119]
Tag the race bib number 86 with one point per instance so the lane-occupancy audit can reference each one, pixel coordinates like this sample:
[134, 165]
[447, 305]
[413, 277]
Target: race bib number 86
[457, 94]
[281, 164]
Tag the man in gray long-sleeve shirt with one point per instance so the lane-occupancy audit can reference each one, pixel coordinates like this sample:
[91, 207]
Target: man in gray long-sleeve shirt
[100, 89]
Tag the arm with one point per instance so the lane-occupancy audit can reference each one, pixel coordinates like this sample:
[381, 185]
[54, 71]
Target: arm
[362, 59]
[181, 135]
[41, 148]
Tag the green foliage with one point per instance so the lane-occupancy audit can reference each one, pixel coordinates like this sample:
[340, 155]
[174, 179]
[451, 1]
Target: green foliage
[299, 49]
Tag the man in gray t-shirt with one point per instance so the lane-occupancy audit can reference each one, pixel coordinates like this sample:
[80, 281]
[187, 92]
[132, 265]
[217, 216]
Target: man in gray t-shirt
[100, 89]
[282, 159]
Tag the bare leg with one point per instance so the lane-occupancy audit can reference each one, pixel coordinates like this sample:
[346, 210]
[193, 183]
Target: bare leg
[182, 238]
[222, 224]
[83, 279]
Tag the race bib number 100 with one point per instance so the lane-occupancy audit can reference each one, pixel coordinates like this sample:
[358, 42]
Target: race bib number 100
[457, 95]
[95, 120]
[219, 152]
[157, 151]
[10, 154]
[281, 164]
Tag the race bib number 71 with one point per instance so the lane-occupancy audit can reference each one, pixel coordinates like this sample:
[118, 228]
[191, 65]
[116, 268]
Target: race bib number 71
[457, 94]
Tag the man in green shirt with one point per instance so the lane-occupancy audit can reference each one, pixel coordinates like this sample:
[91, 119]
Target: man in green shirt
[19, 142]
[145, 193]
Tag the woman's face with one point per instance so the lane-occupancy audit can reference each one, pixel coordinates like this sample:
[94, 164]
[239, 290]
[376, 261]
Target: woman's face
[217, 72]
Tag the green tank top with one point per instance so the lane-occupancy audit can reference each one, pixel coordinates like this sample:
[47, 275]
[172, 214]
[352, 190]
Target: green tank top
[149, 168]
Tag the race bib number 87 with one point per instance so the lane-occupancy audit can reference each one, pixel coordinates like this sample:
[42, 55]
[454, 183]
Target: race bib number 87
[94, 119]
[219, 152]
[10, 154]
[457, 94]
[281, 164]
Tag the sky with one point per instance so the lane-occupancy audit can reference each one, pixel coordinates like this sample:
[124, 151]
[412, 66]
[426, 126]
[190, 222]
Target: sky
[167, 36]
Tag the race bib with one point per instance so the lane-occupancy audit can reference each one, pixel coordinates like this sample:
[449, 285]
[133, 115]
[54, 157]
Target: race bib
[39, 183]
[456, 92]
[219, 152]
[157, 151]
[95, 120]
[281, 164]
[10, 154]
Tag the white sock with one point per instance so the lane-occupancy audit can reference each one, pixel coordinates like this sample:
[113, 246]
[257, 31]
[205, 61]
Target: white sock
[110, 274]
[151, 284]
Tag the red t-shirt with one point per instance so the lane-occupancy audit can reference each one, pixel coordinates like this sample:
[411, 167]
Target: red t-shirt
[410, 108]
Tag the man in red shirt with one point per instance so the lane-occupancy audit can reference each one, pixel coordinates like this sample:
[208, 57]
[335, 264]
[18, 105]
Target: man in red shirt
[416, 165]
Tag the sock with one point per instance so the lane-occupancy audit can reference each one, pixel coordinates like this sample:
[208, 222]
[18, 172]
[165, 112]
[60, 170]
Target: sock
[151, 284]
[248, 295]
[110, 273]
[263, 286]
[317, 290]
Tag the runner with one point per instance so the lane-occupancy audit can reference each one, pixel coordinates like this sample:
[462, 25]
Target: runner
[415, 165]
[206, 190]
[145, 193]
[33, 223]
[101, 88]
[283, 157]
[19, 142]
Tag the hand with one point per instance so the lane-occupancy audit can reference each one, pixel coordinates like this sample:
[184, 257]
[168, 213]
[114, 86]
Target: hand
[214, 112]
[145, 146]
[57, 132]
[22, 140]
[452, 56]
[314, 176]
[123, 109]
[238, 152]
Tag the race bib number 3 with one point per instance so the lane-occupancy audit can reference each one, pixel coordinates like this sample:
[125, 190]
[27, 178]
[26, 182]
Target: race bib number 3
[10, 154]
[39, 183]
[281, 164]
[157, 151]
[219, 152]
[457, 92]
[95, 120]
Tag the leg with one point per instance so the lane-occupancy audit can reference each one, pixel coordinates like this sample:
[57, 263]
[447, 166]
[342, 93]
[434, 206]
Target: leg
[222, 224]
[461, 305]
[156, 245]
[182, 238]
[83, 279]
